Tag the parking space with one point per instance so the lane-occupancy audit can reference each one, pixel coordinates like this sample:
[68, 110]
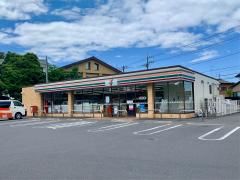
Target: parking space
[57, 148]
[208, 131]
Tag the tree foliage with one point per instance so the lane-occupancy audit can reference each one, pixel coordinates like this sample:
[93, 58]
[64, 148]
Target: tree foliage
[19, 71]
[58, 74]
[229, 93]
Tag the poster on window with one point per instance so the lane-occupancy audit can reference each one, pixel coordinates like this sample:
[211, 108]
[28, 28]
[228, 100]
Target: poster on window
[142, 108]
[131, 107]
[115, 110]
[107, 99]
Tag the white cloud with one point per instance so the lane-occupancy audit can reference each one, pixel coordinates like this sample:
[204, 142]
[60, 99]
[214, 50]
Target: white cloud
[69, 14]
[21, 9]
[118, 56]
[206, 55]
[124, 23]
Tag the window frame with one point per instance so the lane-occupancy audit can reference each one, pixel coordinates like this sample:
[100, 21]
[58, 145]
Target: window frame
[96, 67]
[88, 65]
[210, 89]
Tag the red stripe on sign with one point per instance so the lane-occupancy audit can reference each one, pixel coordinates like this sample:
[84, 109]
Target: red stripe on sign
[4, 109]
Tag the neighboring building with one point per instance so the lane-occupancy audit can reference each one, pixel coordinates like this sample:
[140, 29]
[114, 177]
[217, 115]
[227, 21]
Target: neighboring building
[92, 67]
[236, 90]
[1, 61]
[224, 86]
[167, 92]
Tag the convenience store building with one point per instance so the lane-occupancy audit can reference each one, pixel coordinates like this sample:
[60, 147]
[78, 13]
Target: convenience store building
[167, 92]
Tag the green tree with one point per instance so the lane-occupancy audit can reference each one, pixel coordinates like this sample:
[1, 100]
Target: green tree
[55, 74]
[73, 74]
[58, 74]
[20, 71]
[229, 93]
[2, 87]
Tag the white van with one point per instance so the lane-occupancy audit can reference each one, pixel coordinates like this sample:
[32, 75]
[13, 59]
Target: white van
[12, 109]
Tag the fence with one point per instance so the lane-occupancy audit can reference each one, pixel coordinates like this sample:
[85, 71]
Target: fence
[208, 108]
[220, 107]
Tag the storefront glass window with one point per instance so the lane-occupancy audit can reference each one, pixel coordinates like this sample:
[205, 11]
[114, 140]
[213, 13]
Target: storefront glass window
[188, 92]
[161, 97]
[141, 98]
[55, 102]
[173, 97]
[176, 97]
[86, 101]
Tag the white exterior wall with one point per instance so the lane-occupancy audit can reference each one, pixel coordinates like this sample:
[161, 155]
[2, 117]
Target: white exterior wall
[201, 89]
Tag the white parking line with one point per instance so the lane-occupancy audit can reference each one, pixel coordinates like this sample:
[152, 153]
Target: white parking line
[155, 132]
[18, 122]
[146, 130]
[33, 123]
[215, 130]
[111, 127]
[204, 124]
[64, 125]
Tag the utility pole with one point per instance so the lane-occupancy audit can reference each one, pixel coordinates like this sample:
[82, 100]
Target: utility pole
[46, 69]
[149, 62]
[124, 68]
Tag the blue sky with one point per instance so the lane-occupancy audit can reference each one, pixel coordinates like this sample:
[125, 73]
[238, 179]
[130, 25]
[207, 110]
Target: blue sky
[203, 35]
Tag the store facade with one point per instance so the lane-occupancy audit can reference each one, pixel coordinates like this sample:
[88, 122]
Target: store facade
[158, 93]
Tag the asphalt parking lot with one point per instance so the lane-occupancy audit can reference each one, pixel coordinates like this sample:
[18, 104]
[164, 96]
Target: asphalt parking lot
[117, 149]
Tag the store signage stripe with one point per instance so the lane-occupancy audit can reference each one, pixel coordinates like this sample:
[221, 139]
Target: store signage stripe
[136, 80]
[122, 84]
[100, 84]
[153, 78]
[103, 81]
[86, 81]
[95, 84]
[118, 76]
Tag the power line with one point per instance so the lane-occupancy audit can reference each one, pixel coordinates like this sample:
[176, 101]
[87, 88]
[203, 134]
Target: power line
[230, 67]
[230, 78]
[230, 74]
[46, 69]
[189, 45]
[198, 50]
[209, 37]
[232, 54]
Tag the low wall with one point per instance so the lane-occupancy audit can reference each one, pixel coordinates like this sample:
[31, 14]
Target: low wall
[75, 115]
[166, 116]
[140, 116]
[89, 115]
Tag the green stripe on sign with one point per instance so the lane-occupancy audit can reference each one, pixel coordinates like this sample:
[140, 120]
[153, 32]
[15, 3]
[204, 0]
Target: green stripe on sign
[122, 81]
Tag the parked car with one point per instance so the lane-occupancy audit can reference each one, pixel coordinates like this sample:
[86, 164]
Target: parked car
[12, 109]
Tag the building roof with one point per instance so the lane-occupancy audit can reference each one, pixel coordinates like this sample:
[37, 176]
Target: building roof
[165, 74]
[90, 59]
[139, 71]
[236, 84]
[175, 66]
[222, 81]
